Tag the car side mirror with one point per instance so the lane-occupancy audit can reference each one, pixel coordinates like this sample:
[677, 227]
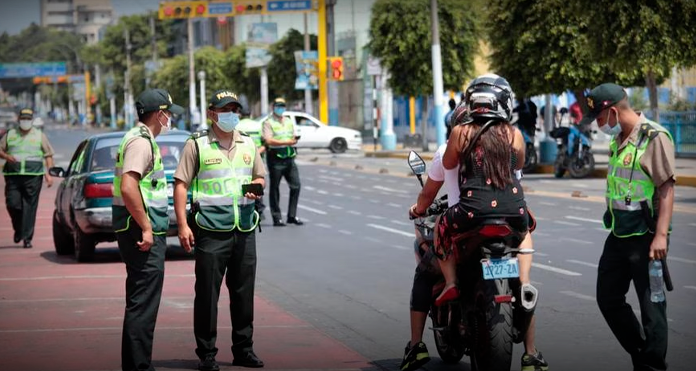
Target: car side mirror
[56, 171]
[416, 163]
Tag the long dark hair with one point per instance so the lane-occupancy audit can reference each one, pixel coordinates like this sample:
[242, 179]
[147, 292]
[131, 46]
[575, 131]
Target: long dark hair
[492, 151]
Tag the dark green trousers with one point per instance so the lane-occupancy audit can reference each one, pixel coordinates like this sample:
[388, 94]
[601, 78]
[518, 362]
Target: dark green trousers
[279, 169]
[623, 260]
[22, 199]
[145, 277]
[232, 255]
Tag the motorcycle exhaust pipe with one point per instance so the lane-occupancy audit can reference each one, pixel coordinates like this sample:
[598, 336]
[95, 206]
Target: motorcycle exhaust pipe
[529, 295]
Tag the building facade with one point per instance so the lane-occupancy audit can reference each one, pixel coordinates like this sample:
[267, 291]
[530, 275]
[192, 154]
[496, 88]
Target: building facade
[82, 17]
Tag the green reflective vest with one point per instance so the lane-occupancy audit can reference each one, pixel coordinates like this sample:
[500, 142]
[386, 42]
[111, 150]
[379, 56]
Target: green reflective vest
[251, 128]
[153, 188]
[284, 130]
[217, 189]
[626, 219]
[28, 152]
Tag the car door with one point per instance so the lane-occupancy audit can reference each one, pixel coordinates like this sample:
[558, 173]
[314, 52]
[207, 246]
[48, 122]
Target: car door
[71, 179]
[310, 131]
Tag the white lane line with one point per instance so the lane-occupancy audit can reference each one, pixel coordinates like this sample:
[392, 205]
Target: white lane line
[580, 262]
[579, 208]
[541, 254]
[583, 219]
[541, 233]
[303, 207]
[387, 189]
[375, 201]
[338, 194]
[322, 225]
[691, 243]
[580, 185]
[392, 230]
[309, 188]
[335, 207]
[677, 259]
[354, 212]
[576, 240]
[356, 197]
[692, 224]
[376, 217]
[400, 247]
[690, 287]
[602, 230]
[539, 218]
[547, 203]
[401, 223]
[579, 295]
[555, 270]
[331, 178]
[350, 186]
[322, 192]
[566, 223]
[393, 204]
[536, 283]
[348, 233]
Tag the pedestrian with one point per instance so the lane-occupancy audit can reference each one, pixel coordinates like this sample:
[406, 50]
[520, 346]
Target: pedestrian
[640, 197]
[279, 135]
[526, 116]
[452, 105]
[216, 164]
[253, 128]
[25, 150]
[140, 221]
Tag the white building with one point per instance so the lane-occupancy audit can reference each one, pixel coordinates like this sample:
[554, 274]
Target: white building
[83, 17]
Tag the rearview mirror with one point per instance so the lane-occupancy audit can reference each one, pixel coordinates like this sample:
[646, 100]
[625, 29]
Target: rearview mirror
[416, 163]
[56, 171]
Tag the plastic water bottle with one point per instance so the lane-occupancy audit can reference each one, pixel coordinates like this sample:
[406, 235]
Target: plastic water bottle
[657, 292]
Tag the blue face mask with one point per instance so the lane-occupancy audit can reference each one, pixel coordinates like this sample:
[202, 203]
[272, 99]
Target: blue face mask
[227, 121]
[279, 111]
[609, 130]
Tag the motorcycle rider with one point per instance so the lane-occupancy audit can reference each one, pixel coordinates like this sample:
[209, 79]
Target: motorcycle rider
[488, 189]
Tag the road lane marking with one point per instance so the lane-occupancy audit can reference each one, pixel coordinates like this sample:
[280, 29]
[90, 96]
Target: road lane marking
[354, 212]
[322, 225]
[592, 265]
[555, 270]
[400, 247]
[356, 197]
[576, 240]
[316, 211]
[540, 233]
[331, 178]
[677, 259]
[578, 295]
[335, 207]
[393, 204]
[602, 229]
[579, 208]
[310, 188]
[539, 218]
[686, 287]
[350, 186]
[566, 223]
[691, 243]
[387, 189]
[348, 233]
[401, 223]
[541, 253]
[392, 230]
[322, 192]
[338, 194]
[375, 201]
[547, 203]
[376, 217]
[583, 219]
[692, 224]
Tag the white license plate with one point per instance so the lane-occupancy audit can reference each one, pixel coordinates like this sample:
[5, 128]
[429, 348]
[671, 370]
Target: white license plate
[170, 190]
[500, 268]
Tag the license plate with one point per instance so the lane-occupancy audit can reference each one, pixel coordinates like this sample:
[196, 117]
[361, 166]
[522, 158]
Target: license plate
[500, 268]
[170, 190]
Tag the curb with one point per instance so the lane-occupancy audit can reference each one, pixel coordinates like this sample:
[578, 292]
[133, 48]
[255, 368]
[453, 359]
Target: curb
[682, 180]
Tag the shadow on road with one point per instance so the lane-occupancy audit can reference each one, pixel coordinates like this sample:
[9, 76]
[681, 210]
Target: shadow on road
[108, 255]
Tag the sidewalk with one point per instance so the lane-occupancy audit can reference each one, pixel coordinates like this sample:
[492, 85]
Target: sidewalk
[685, 167]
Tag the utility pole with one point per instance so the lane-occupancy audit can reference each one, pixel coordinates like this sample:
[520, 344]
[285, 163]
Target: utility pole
[201, 77]
[332, 85]
[321, 51]
[438, 89]
[128, 94]
[192, 75]
[308, 92]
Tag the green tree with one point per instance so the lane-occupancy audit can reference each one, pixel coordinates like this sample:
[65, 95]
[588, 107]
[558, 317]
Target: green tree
[650, 36]
[281, 69]
[400, 35]
[242, 80]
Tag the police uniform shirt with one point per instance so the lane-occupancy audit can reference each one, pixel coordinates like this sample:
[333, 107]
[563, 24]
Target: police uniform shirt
[137, 154]
[188, 163]
[268, 129]
[658, 159]
[45, 144]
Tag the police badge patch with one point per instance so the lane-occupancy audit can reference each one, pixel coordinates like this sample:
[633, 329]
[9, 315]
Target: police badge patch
[627, 159]
[247, 159]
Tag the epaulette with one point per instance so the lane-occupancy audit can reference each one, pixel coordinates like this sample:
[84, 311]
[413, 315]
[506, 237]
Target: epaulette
[199, 134]
[243, 133]
[648, 131]
[144, 132]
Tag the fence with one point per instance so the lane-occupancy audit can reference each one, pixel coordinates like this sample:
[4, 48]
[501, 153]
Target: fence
[682, 125]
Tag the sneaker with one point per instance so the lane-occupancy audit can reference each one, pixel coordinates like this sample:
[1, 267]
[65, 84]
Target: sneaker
[534, 362]
[414, 357]
[208, 364]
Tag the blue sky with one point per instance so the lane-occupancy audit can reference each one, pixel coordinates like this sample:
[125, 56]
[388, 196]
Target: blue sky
[16, 15]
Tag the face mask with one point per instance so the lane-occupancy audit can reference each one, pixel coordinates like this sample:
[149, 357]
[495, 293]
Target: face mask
[609, 130]
[279, 111]
[227, 121]
[25, 124]
[167, 126]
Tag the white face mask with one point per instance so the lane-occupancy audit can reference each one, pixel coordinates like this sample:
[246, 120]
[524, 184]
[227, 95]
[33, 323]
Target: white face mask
[609, 130]
[166, 127]
[25, 124]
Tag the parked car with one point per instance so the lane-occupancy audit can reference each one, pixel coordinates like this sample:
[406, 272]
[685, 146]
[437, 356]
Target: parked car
[315, 134]
[82, 216]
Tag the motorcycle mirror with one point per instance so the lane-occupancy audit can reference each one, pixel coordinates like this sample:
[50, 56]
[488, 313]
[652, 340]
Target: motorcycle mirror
[416, 163]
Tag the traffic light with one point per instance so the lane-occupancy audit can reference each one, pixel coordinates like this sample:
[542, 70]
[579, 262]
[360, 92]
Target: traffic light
[183, 9]
[249, 7]
[336, 64]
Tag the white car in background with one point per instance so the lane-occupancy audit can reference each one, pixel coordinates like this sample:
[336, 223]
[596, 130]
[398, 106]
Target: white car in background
[315, 134]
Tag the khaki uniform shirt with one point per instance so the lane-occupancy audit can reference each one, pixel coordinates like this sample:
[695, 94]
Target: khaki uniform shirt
[45, 144]
[137, 154]
[189, 162]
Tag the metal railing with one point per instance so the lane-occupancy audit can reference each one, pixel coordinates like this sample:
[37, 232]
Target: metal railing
[682, 126]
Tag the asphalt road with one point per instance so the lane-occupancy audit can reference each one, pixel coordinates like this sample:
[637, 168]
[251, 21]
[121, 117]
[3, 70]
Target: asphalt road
[347, 274]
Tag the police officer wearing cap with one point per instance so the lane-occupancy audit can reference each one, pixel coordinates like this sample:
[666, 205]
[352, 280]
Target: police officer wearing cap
[216, 164]
[279, 135]
[252, 128]
[640, 198]
[25, 150]
[140, 221]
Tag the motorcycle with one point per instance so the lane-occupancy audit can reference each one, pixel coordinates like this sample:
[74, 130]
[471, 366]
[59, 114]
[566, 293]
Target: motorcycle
[493, 310]
[530, 154]
[574, 152]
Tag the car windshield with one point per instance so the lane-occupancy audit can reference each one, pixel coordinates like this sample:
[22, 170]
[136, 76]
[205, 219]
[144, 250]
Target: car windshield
[104, 156]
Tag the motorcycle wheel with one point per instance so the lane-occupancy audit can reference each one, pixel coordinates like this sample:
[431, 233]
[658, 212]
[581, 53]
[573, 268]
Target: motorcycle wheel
[582, 166]
[493, 330]
[448, 342]
[530, 158]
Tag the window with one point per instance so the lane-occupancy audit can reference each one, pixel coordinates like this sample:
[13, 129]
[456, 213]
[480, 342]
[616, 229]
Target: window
[303, 121]
[77, 160]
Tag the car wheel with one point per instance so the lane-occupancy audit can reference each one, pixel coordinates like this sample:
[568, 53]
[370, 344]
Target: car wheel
[62, 239]
[84, 246]
[338, 145]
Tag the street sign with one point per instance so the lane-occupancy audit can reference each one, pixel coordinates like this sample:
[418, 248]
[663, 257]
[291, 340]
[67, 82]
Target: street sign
[58, 79]
[373, 66]
[306, 66]
[19, 70]
[219, 9]
[259, 39]
[284, 6]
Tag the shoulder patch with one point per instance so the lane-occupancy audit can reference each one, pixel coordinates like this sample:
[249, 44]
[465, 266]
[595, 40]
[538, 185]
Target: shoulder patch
[199, 134]
[649, 131]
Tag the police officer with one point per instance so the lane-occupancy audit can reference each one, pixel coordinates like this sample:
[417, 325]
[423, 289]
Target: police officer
[640, 197]
[140, 221]
[253, 129]
[25, 149]
[279, 135]
[215, 164]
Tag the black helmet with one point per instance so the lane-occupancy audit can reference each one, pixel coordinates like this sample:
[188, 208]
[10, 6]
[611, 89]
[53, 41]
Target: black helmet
[489, 96]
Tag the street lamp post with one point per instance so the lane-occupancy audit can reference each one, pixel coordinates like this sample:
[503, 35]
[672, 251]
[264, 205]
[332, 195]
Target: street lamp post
[204, 123]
